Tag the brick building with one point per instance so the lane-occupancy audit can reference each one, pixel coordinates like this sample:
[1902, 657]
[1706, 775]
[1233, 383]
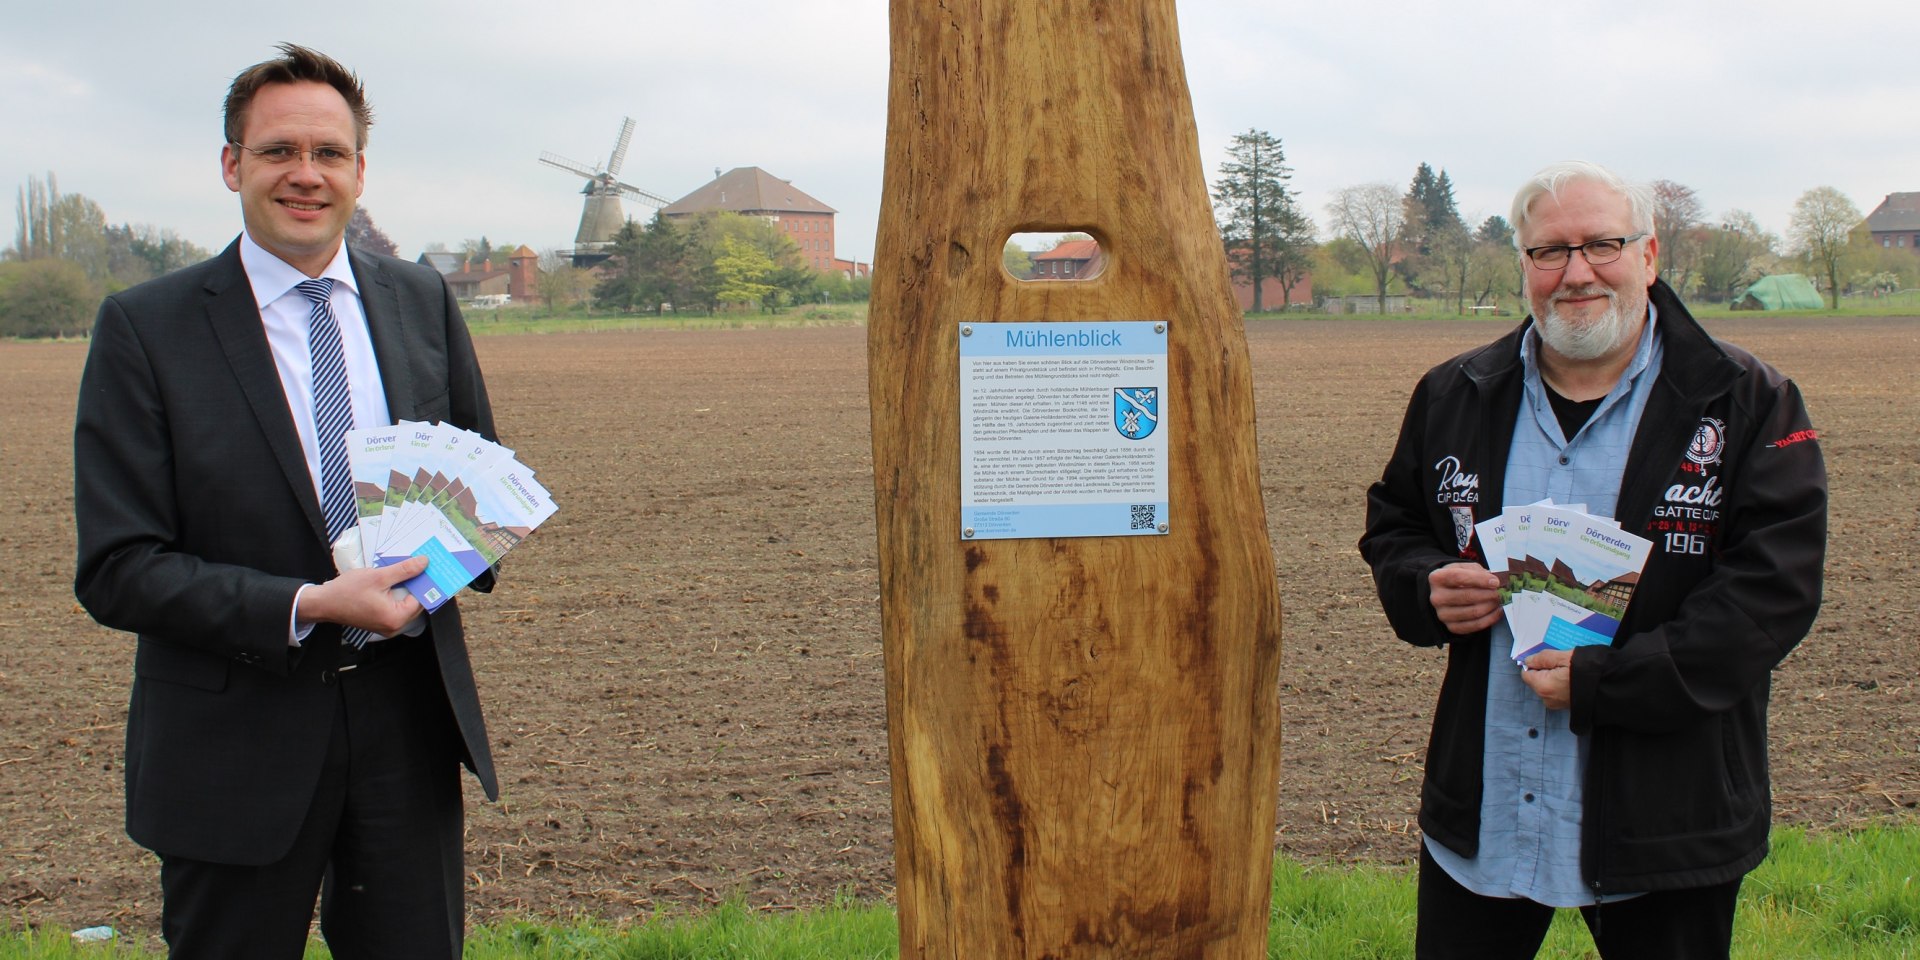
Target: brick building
[753, 192]
[516, 280]
[1895, 223]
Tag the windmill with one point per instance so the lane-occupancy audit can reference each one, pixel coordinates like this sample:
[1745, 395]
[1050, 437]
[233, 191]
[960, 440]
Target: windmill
[603, 216]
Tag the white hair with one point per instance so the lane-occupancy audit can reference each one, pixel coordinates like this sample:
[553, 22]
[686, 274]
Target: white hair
[1554, 176]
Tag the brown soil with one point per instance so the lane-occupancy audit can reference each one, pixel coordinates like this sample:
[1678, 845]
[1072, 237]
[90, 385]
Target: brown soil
[682, 670]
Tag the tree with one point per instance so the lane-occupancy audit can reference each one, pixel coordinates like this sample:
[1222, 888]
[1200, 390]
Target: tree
[664, 268]
[1372, 216]
[622, 276]
[1495, 229]
[743, 270]
[1017, 261]
[37, 236]
[1430, 213]
[560, 283]
[1493, 267]
[1436, 244]
[70, 227]
[1261, 224]
[138, 253]
[1822, 218]
[363, 235]
[46, 298]
[1677, 216]
[478, 253]
[1732, 254]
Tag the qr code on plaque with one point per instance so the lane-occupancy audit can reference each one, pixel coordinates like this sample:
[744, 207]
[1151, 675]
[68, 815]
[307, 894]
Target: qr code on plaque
[1143, 516]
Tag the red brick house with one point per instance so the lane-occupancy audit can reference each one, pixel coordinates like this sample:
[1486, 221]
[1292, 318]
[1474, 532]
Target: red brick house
[1895, 223]
[753, 192]
[1069, 260]
[516, 280]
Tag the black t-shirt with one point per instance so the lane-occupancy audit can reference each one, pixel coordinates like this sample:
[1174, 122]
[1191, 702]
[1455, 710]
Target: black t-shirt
[1572, 414]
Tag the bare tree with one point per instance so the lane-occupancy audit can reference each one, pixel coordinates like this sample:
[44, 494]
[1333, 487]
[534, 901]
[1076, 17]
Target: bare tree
[1821, 220]
[1732, 254]
[1372, 216]
[1677, 218]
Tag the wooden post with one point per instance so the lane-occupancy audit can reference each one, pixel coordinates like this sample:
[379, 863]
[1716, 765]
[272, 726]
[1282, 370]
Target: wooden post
[1084, 732]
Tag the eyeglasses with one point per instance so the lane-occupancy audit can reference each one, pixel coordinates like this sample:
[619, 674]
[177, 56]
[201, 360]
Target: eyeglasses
[275, 154]
[1557, 255]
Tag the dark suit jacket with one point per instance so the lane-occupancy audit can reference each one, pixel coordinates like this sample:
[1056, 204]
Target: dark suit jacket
[198, 521]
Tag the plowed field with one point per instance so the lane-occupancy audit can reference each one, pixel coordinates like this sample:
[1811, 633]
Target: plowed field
[682, 670]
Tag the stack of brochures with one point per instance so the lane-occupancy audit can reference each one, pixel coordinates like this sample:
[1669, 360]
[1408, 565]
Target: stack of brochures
[449, 494]
[1566, 575]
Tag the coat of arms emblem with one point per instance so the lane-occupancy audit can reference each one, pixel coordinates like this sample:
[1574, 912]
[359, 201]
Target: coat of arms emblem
[1136, 411]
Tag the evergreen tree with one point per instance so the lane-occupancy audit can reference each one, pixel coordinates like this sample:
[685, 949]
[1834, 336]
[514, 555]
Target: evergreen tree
[623, 276]
[1265, 232]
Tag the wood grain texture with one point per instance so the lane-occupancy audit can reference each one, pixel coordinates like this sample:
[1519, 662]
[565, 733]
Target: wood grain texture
[1084, 732]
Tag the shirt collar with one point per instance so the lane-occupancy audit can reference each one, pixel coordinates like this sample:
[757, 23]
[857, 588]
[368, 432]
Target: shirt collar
[272, 277]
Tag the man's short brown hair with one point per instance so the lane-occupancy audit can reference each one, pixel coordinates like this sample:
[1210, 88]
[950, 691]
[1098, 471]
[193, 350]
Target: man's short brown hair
[298, 64]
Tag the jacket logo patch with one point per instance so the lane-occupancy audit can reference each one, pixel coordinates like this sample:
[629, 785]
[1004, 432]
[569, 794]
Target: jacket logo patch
[1798, 436]
[1689, 519]
[1463, 531]
[1708, 442]
[1456, 485]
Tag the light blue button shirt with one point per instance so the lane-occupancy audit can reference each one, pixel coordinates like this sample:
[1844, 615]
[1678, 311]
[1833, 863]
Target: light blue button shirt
[1530, 805]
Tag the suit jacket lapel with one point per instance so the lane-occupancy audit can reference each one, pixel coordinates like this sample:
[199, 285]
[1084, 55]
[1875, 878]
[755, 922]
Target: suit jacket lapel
[235, 320]
[386, 324]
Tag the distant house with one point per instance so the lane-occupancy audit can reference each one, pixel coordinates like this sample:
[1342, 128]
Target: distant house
[445, 261]
[753, 192]
[1895, 223]
[1070, 260]
[514, 281]
[1781, 291]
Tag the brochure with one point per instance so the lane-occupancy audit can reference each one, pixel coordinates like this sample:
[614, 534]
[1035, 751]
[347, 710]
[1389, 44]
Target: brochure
[1567, 575]
[448, 494]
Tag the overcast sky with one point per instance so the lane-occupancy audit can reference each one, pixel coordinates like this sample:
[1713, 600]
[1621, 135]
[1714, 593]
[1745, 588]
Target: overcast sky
[1749, 103]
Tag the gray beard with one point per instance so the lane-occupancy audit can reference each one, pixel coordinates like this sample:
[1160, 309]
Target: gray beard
[1597, 339]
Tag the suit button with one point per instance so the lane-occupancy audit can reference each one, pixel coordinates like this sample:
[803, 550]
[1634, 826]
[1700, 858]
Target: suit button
[329, 675]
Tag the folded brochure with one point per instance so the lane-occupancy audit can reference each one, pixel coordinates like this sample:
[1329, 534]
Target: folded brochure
[1566, 575]
[451, 495]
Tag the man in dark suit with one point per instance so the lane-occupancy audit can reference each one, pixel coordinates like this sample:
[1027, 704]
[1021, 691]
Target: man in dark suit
[293, 732]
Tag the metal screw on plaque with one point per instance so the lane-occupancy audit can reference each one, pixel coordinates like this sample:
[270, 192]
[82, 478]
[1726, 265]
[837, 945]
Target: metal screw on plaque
[966, 331]
[1159, 328]
[1163, 528]
[968, 532]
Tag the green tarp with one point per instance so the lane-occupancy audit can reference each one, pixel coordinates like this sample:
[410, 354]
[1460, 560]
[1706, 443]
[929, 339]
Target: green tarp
[1782, 291]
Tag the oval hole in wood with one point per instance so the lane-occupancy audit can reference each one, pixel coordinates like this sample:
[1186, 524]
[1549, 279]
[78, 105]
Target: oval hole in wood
[1052, 257]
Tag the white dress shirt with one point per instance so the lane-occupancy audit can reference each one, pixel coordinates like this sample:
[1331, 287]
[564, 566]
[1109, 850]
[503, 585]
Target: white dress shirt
[285, 312]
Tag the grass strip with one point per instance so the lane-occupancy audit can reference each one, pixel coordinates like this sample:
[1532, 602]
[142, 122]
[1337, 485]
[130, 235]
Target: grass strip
[1826, 896]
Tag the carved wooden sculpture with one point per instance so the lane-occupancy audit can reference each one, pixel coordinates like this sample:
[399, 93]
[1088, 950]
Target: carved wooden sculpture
[1084, 731]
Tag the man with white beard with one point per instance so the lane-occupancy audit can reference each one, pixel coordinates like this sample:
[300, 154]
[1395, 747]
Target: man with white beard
[1629, 779]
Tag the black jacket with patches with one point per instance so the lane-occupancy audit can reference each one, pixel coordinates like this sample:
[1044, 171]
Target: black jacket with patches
[1725, 477]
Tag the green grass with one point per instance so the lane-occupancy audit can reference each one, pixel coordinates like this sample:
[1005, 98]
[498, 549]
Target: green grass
[1827, 896]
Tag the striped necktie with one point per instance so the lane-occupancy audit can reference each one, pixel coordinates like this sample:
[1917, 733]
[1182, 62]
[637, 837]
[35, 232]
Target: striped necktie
[332, 418]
